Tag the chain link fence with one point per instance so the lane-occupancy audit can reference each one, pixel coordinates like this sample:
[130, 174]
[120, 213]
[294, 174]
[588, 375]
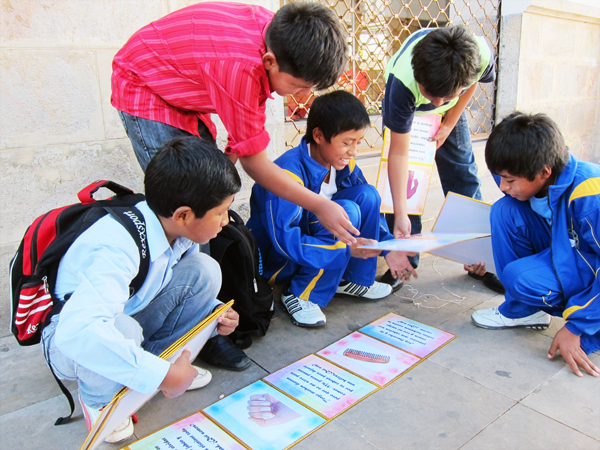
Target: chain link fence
[376, 29]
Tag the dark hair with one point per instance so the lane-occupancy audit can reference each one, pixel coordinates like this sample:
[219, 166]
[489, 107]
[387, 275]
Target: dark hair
[523, 144]
[446, 60]
[308, 42]
[190, 172]
[335, 113]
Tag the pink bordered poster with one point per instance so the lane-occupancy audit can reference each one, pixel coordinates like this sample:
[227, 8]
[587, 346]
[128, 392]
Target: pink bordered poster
[195, 431]
[421, 155]
[409, 335]
[369, 358]
[320, 385]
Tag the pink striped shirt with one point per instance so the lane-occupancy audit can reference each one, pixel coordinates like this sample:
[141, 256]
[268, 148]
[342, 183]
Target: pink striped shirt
[203, 59]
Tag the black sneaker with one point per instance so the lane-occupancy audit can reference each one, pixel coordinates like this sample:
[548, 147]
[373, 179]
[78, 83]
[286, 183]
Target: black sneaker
[395, 283]
[220, 351]
[490, 280]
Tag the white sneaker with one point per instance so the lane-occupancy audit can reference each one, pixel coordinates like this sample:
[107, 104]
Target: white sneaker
[304, 313]
[201, 380]
[492, 319]
[122, 432]
[375, 292]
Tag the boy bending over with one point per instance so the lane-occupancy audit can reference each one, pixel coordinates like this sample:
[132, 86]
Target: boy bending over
[104, 339]
[297, 250]
[545, 237]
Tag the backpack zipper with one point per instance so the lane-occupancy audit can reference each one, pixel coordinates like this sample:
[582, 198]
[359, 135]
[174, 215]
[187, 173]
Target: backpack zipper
[247, 243]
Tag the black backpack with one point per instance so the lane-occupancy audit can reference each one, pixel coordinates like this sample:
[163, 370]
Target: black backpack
[34, 268]
[237, 253]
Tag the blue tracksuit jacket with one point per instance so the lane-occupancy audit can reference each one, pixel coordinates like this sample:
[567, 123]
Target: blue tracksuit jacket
[292, 240]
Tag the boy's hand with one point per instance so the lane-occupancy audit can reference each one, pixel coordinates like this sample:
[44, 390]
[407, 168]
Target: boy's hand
[179, 377]
[478, 268]
[333, 217]
[569, 346]
[441, 136]
[227, 322]
[364, 253]
[401, 226]
[400, 266]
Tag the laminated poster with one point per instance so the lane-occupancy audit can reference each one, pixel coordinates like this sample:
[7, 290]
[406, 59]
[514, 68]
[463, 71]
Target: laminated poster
[369, 358]
[421, 155]
[193, 432]
[320, 385]
[287, 405]
[409, 335]
[276, 423]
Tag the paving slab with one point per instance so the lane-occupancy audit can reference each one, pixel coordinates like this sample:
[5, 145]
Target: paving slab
[522, 428]
[334, 435]
[511, 362]
[429, 407]
[26, 379]
[570, 400]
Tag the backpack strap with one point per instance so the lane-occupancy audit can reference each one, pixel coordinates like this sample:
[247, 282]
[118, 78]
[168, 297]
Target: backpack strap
[133, 221]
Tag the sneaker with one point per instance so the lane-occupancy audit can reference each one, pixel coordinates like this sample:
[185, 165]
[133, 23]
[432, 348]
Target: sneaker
[492, 319]
[374, 292]
[395, 283]
[303, 312]
[122, 432]
[201, 380]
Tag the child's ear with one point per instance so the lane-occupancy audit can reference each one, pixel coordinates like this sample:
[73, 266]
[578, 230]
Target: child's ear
[546, 172]
[317, 135]
[183, 216]
[269, 60]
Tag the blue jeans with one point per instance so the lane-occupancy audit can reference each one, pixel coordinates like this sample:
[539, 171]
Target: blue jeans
[147, 136]
[457, 170]
[183, 303]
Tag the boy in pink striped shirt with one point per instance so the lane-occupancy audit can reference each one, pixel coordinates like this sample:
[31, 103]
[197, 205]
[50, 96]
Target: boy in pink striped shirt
[227, 59]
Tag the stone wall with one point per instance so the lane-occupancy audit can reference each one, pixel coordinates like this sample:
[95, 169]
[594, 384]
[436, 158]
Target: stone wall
[58, 131]
[550, 63]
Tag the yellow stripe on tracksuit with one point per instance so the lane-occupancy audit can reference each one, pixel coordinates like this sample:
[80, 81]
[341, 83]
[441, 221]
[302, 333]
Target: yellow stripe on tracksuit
[338, 245]
[567, 312]
[294, 176]
[306, 294]
[591, 186]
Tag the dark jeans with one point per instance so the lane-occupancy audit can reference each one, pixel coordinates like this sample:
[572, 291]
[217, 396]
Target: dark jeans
[457, 169]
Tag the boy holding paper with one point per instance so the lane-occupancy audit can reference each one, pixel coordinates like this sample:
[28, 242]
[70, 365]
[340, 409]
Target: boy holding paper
[105, 339]
[296, 248]
[436, 71]
[545, 237]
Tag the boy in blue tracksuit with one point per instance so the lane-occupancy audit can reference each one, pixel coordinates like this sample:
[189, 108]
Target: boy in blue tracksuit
[546, 237]
[297, 250]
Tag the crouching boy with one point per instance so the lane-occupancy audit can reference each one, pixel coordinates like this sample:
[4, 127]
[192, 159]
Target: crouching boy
[297, 250]
[545, 237]
[105, 340]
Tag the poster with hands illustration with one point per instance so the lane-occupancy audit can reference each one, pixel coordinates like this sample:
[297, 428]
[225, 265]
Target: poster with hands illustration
[420, 165]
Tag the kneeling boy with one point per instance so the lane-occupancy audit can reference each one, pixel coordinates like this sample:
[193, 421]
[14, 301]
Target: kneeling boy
[545, 237]
[104, 339]
[297, 250]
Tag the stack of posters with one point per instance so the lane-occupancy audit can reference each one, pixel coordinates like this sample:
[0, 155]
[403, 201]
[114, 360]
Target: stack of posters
[284, 407]
[421, 156]
[127, 401]
[453, 236]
